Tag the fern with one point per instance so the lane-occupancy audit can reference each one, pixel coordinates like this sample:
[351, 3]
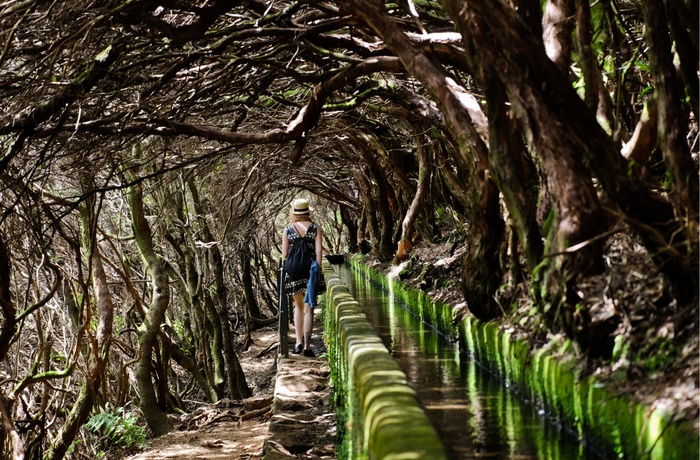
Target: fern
[117, 430]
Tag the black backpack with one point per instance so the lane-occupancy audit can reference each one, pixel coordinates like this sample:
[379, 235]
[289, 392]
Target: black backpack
[299, 259]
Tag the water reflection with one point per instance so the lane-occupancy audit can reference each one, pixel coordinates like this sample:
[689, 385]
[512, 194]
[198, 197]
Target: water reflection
[476, 416]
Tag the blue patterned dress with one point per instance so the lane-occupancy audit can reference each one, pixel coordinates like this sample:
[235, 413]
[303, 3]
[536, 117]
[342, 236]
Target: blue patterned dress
[294, 286]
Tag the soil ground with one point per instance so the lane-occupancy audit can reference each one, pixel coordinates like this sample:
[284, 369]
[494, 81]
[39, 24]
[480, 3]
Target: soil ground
[230, 429]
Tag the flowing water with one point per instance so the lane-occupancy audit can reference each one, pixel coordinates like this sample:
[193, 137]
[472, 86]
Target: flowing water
[475, 414]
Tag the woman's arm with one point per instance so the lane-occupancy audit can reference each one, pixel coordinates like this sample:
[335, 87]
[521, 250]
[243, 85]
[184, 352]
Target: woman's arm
[285, 244]
[319, 246]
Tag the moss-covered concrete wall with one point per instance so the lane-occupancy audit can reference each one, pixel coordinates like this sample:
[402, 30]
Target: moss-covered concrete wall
[378, 409]
[551, 377]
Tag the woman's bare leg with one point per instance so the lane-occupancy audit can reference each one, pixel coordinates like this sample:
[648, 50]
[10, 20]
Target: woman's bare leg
[308, 325]
[299, 317]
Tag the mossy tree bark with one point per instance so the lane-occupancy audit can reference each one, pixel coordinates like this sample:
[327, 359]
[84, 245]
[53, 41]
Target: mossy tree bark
[513, 171]
[396, 164]
[181, 344]
[183, 354]
[247, 280]
[557, 29]
[531, 14]
[8, 433]
[352, 226]
[425, 172]
[236, 383]
[452, 171]
[568, 139]
[671, 130]
[89, 213]
[78, 415]
[153, 409]
[374, 194]
[683, 19]
[98, 360]
[596, 95]
[215, 346]
[383, 194]
[576, 208]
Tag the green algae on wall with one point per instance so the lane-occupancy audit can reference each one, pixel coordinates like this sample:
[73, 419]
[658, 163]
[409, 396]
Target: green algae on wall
[378, 408]
[437, 314]
[551, 378]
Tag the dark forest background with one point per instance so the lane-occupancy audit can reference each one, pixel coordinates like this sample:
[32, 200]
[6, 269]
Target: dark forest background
[150, 150]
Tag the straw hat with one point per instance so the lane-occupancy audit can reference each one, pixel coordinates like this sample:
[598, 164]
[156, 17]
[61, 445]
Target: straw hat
[300, 206]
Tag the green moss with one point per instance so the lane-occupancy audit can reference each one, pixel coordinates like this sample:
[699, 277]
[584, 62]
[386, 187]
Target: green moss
[547, 225]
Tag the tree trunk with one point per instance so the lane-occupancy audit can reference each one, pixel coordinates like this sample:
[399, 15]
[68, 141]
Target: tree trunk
[236, 384]
[103, 296]
[557, 27]
[449, 169]
[595, 94]
[185, 358]
[371, 224]
[672, 129]
[514, 172]
[378, 192]
[363, 245]
[683, 17]
[481, 269]
[190, 286]
[77, 417]
[8, 433]
[9, 311]
[425, 172]
[153, 412]
[352, 227]
[531, 14]
[564, 133]
[105, 309]
[247, 280]
[216, 345]
[576, 205]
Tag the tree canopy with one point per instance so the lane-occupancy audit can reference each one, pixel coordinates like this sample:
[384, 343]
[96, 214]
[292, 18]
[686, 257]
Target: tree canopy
[151, 150]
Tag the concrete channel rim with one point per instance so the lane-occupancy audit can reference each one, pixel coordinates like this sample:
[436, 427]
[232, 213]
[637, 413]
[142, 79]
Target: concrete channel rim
[386, 403]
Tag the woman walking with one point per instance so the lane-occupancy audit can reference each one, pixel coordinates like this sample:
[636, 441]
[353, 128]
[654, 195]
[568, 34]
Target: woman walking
[302, 249]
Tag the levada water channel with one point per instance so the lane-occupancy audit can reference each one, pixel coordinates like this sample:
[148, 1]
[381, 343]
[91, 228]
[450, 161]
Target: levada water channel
[475, 414]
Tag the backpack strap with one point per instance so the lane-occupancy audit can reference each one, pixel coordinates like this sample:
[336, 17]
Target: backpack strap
[292, 232]
[311, 230]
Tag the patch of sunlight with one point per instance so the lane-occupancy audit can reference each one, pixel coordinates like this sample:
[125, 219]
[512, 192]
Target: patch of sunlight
[405, 456]
[395, 270]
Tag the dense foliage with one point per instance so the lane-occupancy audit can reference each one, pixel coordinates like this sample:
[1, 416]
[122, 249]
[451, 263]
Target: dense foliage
[151, 149]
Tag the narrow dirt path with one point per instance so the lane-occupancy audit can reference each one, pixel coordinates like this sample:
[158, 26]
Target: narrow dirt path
[300, 424]
[303, 425]
[229, 429]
